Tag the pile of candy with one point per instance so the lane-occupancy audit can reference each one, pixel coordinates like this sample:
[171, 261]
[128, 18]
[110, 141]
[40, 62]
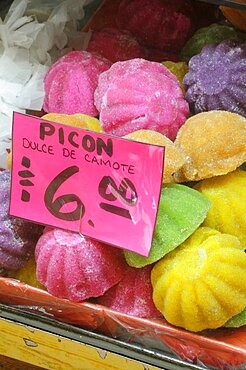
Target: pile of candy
[195, 273]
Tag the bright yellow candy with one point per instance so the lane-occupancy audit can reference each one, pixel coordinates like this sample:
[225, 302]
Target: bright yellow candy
[173, 159]
[75, 120]
[228, 197]
[27, 274]
[201, 284]
[179, 69]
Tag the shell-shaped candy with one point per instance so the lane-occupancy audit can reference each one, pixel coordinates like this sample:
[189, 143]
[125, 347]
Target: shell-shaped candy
[17, 237]
[139, 94]
[213, 34]
[213, 143]
[173, 159]
[181, 211]
[216, 79]
[70, 83]
[227, 195]
[201, 284]
[72, 266]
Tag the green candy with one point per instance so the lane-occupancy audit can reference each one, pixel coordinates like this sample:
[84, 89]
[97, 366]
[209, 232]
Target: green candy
[237, 320]
[213, 34]
[181, 211]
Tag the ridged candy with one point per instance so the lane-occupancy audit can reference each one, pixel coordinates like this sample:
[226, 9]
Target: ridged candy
[201, 284]
[227, 195]
[72, 266]
[70, 83]
[216, 79]
[181, 211]
[139, 94]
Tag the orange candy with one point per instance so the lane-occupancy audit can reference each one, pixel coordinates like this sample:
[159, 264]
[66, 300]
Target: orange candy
[213, 143]
[173, 159]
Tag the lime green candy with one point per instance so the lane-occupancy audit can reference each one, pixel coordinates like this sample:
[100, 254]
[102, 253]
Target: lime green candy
[213, 34]
[237, 320]
[181, 211]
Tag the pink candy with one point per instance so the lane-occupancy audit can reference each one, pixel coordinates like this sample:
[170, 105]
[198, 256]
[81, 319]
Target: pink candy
[74, 267]
[161, 24]
[70, 83]
[139, 94]
[115, 45]
[133, 294]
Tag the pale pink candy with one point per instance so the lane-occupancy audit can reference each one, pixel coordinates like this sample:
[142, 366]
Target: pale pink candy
[74, 267]
[115, 45]
[70, 83]
[133, 294]
[138, 94]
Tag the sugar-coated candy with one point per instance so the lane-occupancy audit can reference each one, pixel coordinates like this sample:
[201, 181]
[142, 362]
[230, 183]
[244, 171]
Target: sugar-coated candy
[213, 143]
[132, 295]
[227, 195]
[216, 79]
[237, 17]
[72, 266]
[160, 24]
[173, 160]
[27, 274]
[237, 320]
[17, 237]
[200, 285]
[179, 69]
[213, 34]
[139, 94]
[181, 211]
[115, 45]
[70, 83]
[75, 120]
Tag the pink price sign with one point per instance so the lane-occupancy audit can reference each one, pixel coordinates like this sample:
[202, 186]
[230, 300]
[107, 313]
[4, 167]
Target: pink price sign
[102, 186]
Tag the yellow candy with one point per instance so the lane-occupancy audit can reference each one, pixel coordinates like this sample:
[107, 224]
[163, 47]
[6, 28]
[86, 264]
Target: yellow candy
[75, 120]
[173, 159]
[27, 274]
[228, 197]
[201, 284]
[213, 143]
[179, 69]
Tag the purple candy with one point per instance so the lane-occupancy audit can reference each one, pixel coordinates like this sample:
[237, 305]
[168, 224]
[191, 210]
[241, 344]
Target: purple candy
[217, 77]
[17, 237]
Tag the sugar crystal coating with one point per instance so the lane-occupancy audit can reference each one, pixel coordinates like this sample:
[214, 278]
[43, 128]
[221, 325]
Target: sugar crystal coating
[181, 211]
[132, 295]
[216, 79]
[227, 195]
[200, 285]
[161, 24]
[17, 237]
[139, 94]
[173, 160]
[115, 45]
[213, 34]
[212, 143]
[70, 83]
[72, 266]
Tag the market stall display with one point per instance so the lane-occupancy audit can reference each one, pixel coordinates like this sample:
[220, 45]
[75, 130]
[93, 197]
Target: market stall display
[189, 292]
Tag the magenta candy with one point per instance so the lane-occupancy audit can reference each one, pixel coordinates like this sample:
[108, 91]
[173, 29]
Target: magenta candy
[133, 294]
[70, 83]
[17, 237]
[159, 24]
[115, 45]
[139, 94]
[72, 266]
